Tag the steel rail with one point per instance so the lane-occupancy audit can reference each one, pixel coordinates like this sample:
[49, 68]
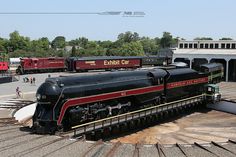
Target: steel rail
[160, 150]
[92, 147]
[181, 149]
[204, 148]
[222, 147]
[113, 149]
[38, 147]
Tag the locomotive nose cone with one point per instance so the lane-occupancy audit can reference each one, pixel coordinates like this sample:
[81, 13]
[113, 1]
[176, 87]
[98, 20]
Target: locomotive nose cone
[48, 93]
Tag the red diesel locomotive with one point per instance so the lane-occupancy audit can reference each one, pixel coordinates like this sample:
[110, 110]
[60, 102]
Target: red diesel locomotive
[3, 66]
[3, 63]
[34, 65]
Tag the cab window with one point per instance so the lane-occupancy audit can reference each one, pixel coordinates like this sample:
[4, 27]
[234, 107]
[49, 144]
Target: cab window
[209, 89]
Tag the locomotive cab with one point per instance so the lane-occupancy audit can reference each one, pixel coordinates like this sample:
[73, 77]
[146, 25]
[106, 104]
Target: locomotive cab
[212, 93]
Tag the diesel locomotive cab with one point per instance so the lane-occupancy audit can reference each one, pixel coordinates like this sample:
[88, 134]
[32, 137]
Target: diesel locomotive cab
[212, 93]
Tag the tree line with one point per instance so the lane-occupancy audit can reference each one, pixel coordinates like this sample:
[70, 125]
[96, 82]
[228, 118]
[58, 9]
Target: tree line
[127, 44]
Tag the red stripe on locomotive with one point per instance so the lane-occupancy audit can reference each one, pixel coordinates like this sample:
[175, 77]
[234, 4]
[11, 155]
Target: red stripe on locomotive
[186, 82]
[107, 96]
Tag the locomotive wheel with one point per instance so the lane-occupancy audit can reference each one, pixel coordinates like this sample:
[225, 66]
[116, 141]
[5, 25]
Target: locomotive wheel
[100, 115]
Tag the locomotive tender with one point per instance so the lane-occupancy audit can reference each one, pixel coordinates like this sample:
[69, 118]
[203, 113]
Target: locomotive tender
[67, 101]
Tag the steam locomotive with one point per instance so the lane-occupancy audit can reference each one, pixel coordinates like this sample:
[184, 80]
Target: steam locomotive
[67, 101]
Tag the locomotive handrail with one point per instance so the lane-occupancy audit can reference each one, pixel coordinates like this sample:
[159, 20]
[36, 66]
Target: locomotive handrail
[138, 111]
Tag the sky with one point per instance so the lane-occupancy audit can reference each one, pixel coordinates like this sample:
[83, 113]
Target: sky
[187, 19]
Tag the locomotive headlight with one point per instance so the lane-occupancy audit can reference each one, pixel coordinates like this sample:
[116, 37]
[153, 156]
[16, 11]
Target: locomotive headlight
[38, 96]
[44, 97]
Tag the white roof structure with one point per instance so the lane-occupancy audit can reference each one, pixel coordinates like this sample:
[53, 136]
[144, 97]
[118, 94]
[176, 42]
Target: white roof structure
[208, 49]
[226, 54]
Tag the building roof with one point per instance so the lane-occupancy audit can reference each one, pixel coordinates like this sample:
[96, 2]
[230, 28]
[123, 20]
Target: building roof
[205, 51]
[207, 41]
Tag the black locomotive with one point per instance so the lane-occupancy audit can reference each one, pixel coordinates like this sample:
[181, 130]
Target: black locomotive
[67, 101]
[215, 71]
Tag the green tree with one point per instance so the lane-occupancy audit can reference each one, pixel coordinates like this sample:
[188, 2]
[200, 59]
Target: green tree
[73, 42]
[134, 48]
[82, 42]
[45, 43]
[105, 44]
[203, 38]
[18, 42]
[149, 45]
[3, 44]
[41, 44]
[225, 38]
[166, 40]
[128, 37]
[73, 51]
[59, 42]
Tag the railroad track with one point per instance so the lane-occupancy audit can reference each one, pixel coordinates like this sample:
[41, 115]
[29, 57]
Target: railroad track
[7, 122]
[27, 144]
[196, 149]
[14, 103]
